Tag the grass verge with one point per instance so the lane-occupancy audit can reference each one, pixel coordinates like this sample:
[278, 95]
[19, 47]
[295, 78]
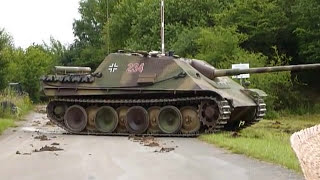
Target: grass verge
[267, 140]
[5, 123]
[23, 103]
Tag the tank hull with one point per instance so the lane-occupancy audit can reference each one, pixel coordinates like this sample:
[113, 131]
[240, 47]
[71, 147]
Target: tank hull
[159, 96]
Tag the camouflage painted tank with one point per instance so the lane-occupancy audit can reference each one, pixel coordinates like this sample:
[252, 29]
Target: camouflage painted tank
[142, 93]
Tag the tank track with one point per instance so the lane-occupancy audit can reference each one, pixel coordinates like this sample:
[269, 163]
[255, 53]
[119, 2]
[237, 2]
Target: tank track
[225, 112]
[260, 113]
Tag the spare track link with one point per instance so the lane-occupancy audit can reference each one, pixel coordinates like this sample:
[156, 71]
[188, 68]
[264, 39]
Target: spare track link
[224, 107]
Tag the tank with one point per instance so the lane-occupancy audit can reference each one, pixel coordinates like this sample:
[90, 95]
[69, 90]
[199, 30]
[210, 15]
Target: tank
[149, 93]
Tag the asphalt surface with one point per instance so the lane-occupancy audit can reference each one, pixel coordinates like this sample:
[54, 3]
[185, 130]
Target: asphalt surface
[100, 158]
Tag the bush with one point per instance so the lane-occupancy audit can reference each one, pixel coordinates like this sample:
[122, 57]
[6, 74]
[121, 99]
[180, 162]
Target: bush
[22, 102]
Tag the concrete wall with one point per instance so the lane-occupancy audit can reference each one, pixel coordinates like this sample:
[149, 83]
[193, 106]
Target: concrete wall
[306, 144]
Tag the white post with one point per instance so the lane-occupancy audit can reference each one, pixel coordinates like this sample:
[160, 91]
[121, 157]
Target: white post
[162, 28]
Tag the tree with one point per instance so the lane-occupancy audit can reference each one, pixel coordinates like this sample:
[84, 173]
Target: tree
[307, 22]
[180, 15]
[220, 46]
[117, 30]
[186, 44]
[89, 46]
[36, 63]
[27, 66]
[263, 21]
[94, 14]
[5, 43]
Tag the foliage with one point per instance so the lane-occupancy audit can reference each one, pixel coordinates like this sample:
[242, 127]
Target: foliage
[89, 46]
[263, 21]
[306, 14]
[5, 43]
[5, 123]
[220, 46]
[186, 44]
[27, 66]
[23, 104]
[94, 14]
[307, 31]
[117, 30]
[36, 63]
[180, 15]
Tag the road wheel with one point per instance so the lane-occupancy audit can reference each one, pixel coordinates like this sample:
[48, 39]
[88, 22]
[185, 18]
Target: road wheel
[191, 122]
[75, 118]
[106, 119]
[137, 120]
[170, 119]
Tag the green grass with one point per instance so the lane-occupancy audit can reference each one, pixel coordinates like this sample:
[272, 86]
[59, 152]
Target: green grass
[5, 123]
[268, 140]
[22, 102]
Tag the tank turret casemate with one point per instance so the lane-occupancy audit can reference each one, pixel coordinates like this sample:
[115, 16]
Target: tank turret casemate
[142, 93]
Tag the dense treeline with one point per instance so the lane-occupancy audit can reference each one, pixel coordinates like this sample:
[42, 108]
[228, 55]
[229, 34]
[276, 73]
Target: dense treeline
[222, 32]
[27, 65]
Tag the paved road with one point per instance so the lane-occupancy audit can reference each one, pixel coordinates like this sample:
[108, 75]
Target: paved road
[100, 158]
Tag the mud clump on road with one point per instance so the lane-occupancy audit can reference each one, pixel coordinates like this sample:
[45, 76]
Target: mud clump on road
[164, 150]
[152, 144]
[19, 153]
[150, 141]
[146, 141]
[48, 148]
[40, 109]
[36, 123]
[42, 138]
[49, 123]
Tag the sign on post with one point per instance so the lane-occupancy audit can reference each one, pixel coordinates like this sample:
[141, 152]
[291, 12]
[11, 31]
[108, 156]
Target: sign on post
[241, 66]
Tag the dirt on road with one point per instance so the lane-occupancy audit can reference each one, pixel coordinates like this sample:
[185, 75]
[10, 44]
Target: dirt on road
[37, 150]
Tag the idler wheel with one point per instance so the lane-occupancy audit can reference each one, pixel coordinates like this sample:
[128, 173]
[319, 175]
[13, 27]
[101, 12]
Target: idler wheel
[191, 122]
[122, 114]
[75, 118]
[170, 119]
[56, 110]
[137, 120]
[153, 117]
[106, 119]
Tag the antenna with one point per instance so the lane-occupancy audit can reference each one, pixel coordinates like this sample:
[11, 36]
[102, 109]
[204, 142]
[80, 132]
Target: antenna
[108, 26]
[162, 28]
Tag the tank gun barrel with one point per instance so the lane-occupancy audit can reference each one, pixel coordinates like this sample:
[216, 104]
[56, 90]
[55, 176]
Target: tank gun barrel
[211, 73]
[66, 69]
[232, 72]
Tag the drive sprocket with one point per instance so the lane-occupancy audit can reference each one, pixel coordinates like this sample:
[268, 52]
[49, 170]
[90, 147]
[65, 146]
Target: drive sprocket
[209, 113]
[214, 114]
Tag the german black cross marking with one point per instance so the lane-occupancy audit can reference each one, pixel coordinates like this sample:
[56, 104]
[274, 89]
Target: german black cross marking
[113, 67]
